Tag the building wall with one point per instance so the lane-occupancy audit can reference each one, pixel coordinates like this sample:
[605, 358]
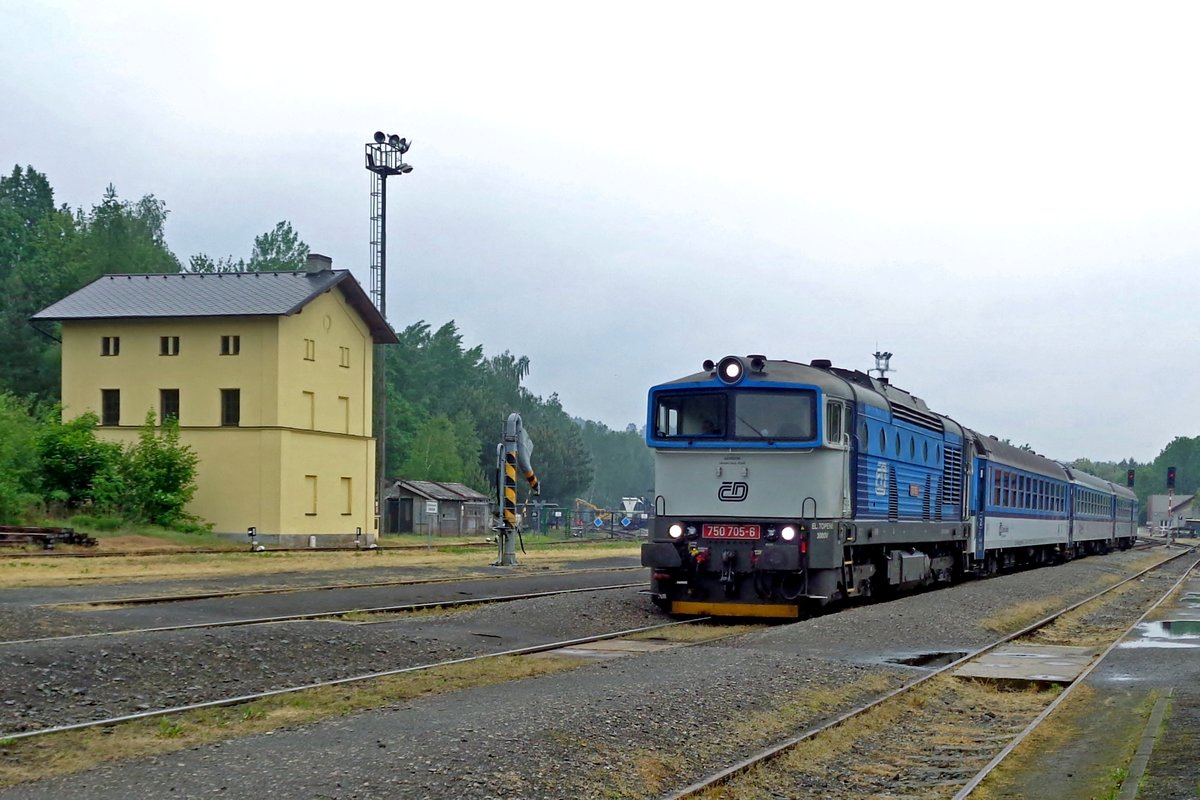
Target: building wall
[305, 419]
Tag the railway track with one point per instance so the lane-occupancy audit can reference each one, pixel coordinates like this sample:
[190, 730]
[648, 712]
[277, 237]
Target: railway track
[11, 738]
[140, 600]
[308, 616]
[933, 736]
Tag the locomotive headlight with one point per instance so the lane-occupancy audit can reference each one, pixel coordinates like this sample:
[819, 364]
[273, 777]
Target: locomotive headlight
[730, 369]
[788, 533]
[676, 530]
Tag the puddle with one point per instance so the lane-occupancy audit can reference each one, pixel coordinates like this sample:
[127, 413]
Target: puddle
[928, 659]
[1167, 633]
[1191, 598]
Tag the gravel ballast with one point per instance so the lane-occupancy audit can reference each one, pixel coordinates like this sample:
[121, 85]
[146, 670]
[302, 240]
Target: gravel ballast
[608, 729]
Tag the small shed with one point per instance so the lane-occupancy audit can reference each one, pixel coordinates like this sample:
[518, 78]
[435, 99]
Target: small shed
[442, 509]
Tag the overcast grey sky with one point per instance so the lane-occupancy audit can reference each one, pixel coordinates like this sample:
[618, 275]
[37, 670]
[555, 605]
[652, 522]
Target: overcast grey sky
[1005, 196]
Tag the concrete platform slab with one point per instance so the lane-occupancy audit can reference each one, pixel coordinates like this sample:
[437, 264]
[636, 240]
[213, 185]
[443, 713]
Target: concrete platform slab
[608, 648]
[1030, 663]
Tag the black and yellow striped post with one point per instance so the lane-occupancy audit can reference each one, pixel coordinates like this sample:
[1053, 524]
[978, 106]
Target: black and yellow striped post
[513, 453]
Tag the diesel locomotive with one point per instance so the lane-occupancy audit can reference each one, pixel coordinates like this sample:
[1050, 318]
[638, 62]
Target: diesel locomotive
[782, 486]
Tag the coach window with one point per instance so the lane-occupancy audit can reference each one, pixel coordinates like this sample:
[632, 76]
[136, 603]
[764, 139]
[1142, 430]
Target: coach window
[995, 487]
[1004, 482]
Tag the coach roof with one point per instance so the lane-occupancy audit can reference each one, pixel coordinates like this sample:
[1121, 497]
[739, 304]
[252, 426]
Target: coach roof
[218, 294]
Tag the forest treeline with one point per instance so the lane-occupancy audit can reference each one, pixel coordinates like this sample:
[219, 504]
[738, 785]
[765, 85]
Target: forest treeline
[446, 400]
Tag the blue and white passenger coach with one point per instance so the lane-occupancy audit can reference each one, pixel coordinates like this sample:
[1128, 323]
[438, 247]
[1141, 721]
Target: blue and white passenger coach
[781, 485]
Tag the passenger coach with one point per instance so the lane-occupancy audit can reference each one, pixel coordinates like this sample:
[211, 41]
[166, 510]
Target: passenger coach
[781, 485]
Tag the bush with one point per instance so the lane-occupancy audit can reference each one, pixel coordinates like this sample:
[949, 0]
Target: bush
[71, 457]
[153, 481]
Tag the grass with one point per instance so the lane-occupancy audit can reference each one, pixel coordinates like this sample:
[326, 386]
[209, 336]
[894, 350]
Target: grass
[887, 749]
[435, 563]
[1018, 616]
[65, 753]
[1111, 731]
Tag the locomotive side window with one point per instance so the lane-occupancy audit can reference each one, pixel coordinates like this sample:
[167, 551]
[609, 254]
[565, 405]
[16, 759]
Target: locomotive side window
[690, 415]
[775, 415]
[882, 441]
[833, 423]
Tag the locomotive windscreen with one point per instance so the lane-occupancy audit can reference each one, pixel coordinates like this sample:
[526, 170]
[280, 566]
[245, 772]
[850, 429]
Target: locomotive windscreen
[747, 414]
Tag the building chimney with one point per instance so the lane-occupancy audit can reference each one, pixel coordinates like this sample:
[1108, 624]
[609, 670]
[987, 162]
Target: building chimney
[317, 263]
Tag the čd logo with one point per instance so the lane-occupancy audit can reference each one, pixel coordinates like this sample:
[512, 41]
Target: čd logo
[733, 491]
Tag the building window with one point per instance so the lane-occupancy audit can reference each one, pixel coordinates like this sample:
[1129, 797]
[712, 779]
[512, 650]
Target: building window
[168, 345]
[168, 405]
[231, 407]
[110, 406]
[310, 350]
[231, 345]
[347, 496]
[310, 483]
[110, 345]
[344, 357]
[310, 404]
[344, 407]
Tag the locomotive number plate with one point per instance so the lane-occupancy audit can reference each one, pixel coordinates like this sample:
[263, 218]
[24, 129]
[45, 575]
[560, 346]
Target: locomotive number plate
[730, 531]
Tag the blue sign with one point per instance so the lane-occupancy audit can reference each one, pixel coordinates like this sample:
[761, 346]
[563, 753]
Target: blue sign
[626, 522]
[599, 523]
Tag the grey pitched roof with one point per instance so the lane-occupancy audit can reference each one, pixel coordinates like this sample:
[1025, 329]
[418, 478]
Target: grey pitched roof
[221, 294]
[442, 491]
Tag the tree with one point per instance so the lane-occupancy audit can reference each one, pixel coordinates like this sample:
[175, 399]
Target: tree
[278, 250]
[622, 464]
[47, 253]
[434, 453]
[125, 237]
[18, 459]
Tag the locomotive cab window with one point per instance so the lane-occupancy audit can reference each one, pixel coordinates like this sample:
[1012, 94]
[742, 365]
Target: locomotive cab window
[775, 415]
[690, 415]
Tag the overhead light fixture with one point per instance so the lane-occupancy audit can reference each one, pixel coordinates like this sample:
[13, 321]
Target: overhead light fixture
[394, 140]
[405, 169]
[379, 137]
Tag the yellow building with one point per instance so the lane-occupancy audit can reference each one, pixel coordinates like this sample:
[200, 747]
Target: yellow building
[268, 373]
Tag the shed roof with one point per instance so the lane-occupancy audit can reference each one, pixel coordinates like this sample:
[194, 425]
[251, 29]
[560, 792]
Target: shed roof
[433, 490]
[218, 294]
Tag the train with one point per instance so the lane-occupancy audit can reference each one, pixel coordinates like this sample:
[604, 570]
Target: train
[783, 487]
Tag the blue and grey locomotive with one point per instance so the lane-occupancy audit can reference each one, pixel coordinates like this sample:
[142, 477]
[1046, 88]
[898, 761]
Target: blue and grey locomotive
[781, 486]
